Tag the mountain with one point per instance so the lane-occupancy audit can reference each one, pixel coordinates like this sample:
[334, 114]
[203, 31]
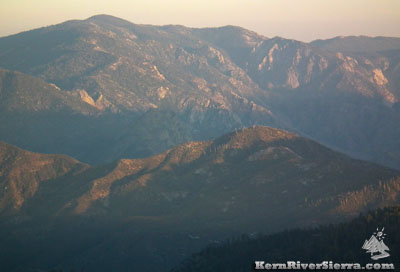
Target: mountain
[202, 83]
[358, 44]
[129, 73]
[337, 243]
[20, 92]
[146, 214]
[22, 173]
[129, 67]
[344, 98]
[277, 63]
[148, 107]
[40, 116]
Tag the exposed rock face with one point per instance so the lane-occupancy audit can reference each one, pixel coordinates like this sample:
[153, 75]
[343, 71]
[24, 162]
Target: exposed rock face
[211, 81]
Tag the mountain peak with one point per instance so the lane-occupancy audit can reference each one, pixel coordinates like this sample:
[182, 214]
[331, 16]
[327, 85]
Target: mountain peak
[249, 136]
[108, 19]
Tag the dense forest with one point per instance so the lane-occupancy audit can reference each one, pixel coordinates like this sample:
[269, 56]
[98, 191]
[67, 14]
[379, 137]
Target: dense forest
[340, 243]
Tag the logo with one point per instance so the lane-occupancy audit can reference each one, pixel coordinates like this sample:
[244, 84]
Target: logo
[375, 244]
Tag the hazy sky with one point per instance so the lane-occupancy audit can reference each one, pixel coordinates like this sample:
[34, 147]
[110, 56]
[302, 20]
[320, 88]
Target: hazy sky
[298, 19]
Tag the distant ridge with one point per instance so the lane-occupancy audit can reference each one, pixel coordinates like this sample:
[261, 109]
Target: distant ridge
[359, 44]
[342, 92]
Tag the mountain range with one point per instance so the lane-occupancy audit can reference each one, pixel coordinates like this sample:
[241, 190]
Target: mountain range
[127, 147]
[104, 77]
[146, 214]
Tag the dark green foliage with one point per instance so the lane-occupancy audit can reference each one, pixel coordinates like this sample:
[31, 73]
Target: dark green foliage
[338, 243]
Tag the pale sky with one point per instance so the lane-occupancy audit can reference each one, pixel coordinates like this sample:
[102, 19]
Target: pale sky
[303, 20]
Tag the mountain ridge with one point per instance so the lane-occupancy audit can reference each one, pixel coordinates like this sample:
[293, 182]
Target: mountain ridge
[22, 172]
[254, 180]
[250, 146]
[211, 81]
[171, 121]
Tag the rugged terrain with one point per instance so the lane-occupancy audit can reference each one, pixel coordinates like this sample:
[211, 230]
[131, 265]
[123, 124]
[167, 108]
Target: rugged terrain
[145, 110]
[143, 214]
[131, 90]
